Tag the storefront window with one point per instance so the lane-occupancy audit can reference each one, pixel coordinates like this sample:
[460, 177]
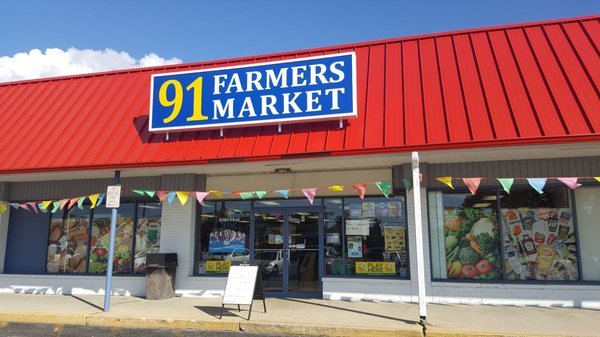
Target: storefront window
[375, 237]
[224, 236]
[147, 234]
[588, 212]
[67, 241]
[100, 238]
[539, 235]
[465, 236]
[333, 222]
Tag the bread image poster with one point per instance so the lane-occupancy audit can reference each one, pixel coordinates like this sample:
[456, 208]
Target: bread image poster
[394, 239]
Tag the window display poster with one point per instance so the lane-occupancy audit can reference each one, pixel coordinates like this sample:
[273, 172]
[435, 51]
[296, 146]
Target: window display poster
[375, 268]
[368, 209]
[394, 239]
[226, 241]
[355, 210]
[381, 209]
[357, 227]
[332, 238]
[394, 209]
[539, 244]
[354, 246]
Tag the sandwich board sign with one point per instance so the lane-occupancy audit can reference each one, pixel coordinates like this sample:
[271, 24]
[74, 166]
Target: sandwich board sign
[244, 284]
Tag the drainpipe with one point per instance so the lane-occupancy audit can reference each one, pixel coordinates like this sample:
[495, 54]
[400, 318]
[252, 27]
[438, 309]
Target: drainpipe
[419, 241]
[111, 252]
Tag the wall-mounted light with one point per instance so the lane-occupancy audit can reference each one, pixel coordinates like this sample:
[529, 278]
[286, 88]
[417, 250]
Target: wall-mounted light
[282, 170]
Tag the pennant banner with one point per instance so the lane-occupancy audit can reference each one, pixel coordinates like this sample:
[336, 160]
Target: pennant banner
[72, 202]
[41, 207]
[385, 187]
[56, 206]
[570, 182]
[14, 205]
[80, 202]
[200, 197]
[283, 193]
[183, 197]
[472, 184]
[140, 192]
[219, 194]
[537, 184]
[506, 183]
[63, 203]
[246, 195]
[46, 204]
[162, 195]
[336, 188]
[260, 194]
[171, 197]
[150, 193]
[3, 208]
[445, 180]
[407, 184]
[597, 178]
[94, 199]
[32, 206]
[100, 198]
[360, 189]
[310, 194]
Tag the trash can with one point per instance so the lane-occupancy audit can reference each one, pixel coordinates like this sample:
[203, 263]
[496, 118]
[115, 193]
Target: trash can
[160, 275]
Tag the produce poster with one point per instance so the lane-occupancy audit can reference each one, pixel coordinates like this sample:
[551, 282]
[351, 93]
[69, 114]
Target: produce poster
[472, 243]
[354, 246]
[394, 238]
[539, 244]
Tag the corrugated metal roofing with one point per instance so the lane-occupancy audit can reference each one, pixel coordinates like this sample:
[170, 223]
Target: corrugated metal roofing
[520, 84]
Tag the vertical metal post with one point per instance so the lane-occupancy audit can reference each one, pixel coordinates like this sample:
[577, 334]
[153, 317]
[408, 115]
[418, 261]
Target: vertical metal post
[111, 252]
[419, 240]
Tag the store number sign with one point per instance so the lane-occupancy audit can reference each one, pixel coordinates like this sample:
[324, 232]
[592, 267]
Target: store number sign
[298, 90]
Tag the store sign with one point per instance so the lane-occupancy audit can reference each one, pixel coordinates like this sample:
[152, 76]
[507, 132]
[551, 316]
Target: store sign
[218, 266]
[299, 90]
[376, 268]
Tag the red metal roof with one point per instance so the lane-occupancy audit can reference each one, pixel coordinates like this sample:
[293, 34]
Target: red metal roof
[520, 84]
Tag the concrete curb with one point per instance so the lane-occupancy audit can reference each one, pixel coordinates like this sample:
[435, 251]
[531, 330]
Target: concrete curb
[478, 334]
[161, 323]
[317, 330]
[44, 318]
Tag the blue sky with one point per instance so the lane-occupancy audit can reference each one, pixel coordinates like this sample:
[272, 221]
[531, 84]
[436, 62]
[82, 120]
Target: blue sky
[194, 31]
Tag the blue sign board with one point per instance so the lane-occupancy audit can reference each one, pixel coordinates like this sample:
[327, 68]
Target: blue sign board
[307, 89]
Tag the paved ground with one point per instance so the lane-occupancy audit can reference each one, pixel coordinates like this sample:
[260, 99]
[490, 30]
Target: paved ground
[300, 316]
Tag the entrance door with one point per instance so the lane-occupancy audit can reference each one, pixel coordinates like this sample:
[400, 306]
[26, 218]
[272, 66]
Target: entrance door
[286, 248]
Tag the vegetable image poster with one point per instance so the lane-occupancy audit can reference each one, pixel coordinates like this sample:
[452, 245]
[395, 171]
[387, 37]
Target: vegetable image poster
[472, 243]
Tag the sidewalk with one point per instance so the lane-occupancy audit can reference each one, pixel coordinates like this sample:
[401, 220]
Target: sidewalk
[301, 316]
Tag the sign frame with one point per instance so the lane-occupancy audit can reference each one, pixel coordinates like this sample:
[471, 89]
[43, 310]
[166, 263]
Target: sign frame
[113, 196]
[244, 285]
[318, 118]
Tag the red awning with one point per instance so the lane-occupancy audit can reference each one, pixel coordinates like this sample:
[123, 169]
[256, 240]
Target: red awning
[521, 84]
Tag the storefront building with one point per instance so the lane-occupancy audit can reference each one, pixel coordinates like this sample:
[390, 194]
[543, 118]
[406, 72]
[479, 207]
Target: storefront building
[300, 163]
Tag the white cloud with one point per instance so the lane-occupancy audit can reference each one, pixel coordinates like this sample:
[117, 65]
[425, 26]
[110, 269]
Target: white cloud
[56, 62]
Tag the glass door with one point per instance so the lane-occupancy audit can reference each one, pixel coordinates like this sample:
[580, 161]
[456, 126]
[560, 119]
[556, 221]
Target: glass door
[286, 248]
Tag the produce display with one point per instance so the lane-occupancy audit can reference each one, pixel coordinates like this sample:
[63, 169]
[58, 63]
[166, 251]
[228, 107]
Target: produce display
[67, 245]
[99, 244]
[472, 243]
[539, 244]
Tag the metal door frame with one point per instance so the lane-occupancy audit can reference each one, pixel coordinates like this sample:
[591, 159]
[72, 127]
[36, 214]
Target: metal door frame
[286, 248]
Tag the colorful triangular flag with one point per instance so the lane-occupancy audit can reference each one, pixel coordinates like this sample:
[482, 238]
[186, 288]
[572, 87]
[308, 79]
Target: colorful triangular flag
[310, 193]
[445, 180]
[94, 199]
[80, 202]
[100, 199]
[385, 187]
[200, 197]
[46, 204]
[140, 192]
[162, 195]
[506, 183]
[56, 206]
[3, 208]
[14, 205]
[472, 184]
[24, 206]
[170, 197]
[41, 207]
[570, 182]
[183, 197]
[407, 184]
[219, 194]
[72, 203]
[283, 193]
[336, 188]
[597, 178]
[360, 189]
[150, 193]
[63, 203]
[537, 184]
[32, 206]
[260, 194]
[246, 195]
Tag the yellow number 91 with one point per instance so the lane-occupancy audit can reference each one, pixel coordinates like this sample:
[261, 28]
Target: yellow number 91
[177, 101]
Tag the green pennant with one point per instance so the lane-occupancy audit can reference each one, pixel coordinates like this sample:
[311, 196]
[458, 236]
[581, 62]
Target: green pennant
[506, 183]
[260, 194]
[80, 202]
[56, 205]
[140, 192]
[385, 187]
[246, 195]
[150, 193]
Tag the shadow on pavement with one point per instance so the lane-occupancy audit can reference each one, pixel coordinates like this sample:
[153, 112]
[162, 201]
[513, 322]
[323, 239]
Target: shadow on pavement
[87, 302]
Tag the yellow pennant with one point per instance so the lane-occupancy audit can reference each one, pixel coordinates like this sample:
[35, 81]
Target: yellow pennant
[183, 197]
[45, 204]
[597, 178]
[336, 188]
[219, 194]
[94, 199]
[445, 180]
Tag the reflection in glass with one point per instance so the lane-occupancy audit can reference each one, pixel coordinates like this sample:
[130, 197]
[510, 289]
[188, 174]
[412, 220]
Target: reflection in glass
[147, 234]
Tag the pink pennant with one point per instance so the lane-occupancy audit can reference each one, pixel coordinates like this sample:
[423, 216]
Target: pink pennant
[24, 206]
[310, 194]
[63, 202]
[472, 184]
[162, 195]
[200, 196]
[360, 189]
[33, 206]
[570, 182]
[72, 202]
